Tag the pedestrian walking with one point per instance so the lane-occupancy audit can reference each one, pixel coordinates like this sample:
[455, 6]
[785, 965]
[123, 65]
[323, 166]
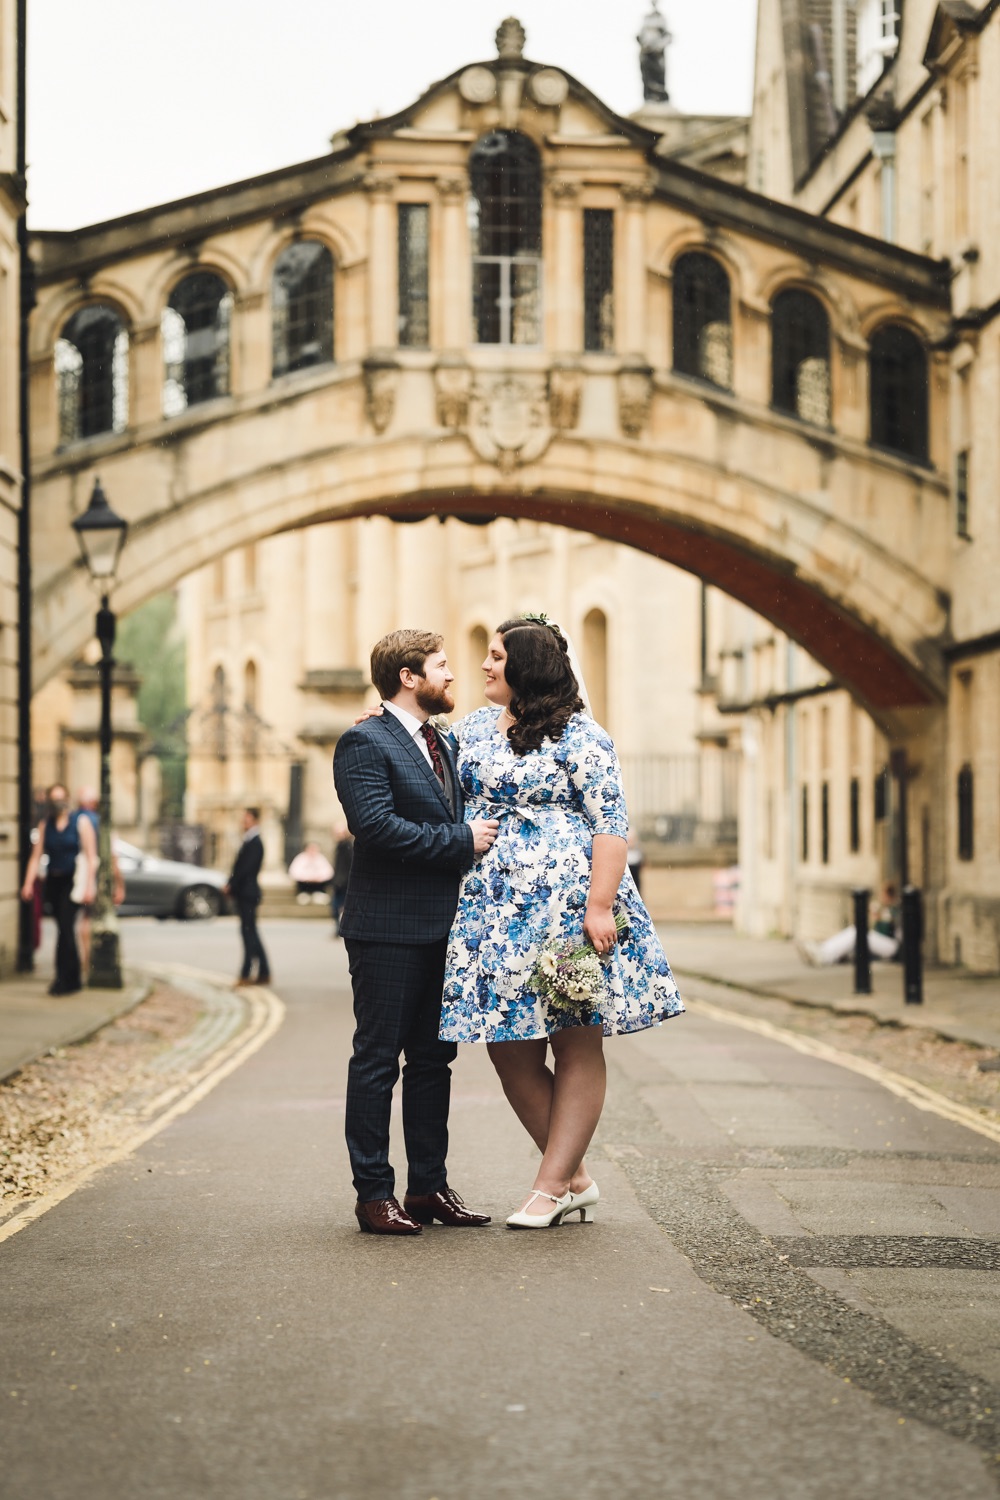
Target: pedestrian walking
[64, 838]
[398, 785]
[343, 858]
[88, 805]
[244, 889]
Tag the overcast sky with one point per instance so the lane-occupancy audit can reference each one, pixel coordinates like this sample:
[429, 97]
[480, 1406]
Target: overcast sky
[134, 102]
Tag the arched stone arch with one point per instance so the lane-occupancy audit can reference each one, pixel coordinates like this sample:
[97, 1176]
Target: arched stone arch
[172, 272]
[694, 237]
[51, 316]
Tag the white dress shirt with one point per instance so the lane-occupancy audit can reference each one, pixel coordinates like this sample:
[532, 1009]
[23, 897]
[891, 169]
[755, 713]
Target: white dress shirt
[413, 727]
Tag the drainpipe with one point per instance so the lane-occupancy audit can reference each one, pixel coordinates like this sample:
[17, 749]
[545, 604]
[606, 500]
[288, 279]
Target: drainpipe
[884, 149]
[26, 290]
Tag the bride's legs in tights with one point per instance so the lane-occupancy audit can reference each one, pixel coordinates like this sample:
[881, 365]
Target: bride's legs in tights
[559, 1109]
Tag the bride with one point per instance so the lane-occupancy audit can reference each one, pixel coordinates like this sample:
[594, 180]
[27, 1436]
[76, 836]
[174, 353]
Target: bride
[533, 759]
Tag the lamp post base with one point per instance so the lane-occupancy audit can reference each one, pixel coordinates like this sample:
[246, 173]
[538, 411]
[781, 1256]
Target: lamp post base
[105, 960]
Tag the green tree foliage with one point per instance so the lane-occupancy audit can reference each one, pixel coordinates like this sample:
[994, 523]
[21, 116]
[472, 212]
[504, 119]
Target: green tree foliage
[150, 640]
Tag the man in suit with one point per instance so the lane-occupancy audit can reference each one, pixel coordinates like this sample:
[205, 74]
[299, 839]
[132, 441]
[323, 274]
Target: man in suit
[244, 888]
[398, 785]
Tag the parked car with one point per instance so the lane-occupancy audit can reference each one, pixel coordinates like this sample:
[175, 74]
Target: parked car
[164, 888]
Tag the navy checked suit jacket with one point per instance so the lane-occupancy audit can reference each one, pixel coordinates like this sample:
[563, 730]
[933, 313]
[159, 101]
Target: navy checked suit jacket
[409, 848]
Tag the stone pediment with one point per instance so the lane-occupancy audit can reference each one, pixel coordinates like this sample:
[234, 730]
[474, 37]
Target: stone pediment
[485, 95]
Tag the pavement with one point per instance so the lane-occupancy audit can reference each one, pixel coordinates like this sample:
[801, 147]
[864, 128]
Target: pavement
[789, 1292]
[958, 1005]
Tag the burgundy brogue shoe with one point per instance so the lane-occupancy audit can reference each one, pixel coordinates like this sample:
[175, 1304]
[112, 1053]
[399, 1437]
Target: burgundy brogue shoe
[385, 1216]
[445, 1206]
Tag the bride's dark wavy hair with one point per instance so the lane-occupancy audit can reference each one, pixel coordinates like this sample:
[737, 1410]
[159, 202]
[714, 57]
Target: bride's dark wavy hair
[545, 692]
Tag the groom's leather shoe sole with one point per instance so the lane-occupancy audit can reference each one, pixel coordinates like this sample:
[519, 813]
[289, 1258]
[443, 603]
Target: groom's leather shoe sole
[445, 1206]
[385, 1216]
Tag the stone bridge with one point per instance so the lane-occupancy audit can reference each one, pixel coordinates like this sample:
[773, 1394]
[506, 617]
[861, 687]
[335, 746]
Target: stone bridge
[506, 301]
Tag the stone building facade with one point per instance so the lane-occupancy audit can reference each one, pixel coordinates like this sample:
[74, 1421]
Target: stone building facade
[12, 206]
[503, 305]
[881, 116]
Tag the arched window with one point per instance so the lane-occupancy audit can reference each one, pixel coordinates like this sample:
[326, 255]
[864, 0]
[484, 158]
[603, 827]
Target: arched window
[505, 213]
[595, 662]
[302, 306]
[703, 322]
[800, 357]
[897, 381]
[195, 330]
[217, 713]
[91, 358]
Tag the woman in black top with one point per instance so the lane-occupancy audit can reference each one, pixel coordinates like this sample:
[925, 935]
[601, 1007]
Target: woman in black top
[63, 835]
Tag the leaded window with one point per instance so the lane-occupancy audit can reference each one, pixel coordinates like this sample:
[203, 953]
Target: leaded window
[414, 275]
[195, 332]
[302, 307]
[855, 815]
[703, 326]
[505, 226]
[91, 360]
[898, 392]
[598, 279]
[962, 494]
[800, 357]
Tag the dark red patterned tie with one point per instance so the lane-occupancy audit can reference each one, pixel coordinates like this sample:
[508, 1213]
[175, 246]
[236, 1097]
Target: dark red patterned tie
[430, 739]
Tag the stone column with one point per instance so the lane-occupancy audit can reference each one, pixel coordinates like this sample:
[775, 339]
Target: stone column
[451, 296]
[252, 352]
[383, 298]
[564, 280]
[633, 334]
[145, 397]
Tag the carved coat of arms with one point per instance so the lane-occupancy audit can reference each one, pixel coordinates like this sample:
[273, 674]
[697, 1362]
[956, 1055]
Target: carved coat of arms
[509, 419]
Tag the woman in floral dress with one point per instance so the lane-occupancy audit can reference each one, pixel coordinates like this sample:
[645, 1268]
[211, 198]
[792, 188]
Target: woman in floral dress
[533, 759]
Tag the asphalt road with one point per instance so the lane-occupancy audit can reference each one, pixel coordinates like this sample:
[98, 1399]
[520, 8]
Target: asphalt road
[790, 1290]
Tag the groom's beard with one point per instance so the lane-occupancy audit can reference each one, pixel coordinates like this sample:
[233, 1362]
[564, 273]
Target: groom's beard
[435, 700]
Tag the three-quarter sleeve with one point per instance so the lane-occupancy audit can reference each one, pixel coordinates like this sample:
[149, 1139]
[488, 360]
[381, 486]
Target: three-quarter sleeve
[595, 775]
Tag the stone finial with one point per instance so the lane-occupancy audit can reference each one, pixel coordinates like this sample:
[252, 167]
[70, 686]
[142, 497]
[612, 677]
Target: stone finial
[510, 40]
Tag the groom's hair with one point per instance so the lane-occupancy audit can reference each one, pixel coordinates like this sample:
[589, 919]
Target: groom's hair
[399, 649]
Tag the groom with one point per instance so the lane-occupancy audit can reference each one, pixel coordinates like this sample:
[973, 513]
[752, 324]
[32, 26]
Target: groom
[398, 785]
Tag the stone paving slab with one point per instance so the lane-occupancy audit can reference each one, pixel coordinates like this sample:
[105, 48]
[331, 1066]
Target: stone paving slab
[958, 1005]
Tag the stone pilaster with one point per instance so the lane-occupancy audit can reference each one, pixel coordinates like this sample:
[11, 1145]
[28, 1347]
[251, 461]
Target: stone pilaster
[383, 300]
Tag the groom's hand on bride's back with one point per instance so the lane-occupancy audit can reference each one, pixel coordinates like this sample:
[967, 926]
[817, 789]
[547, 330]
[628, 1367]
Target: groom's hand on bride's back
[484, 831]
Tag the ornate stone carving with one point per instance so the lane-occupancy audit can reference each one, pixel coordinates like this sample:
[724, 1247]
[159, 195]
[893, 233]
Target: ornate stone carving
[510, 40]
[509, 420]
[477, 85]
[452, 187]
[549, 88]
[381, 374]
[637, 192]
[564, 188]
[635, 397]
[565, 390]
[378, 186]
[452, 389]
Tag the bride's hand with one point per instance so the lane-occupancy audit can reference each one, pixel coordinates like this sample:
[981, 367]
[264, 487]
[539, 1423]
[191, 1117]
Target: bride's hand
[370, 713]
[599, 928]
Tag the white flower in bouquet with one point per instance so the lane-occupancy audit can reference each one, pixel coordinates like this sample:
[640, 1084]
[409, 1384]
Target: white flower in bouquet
[569, 975]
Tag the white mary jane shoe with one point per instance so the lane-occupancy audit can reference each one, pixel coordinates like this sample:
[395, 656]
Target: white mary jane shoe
[523, 1220]
[585, 1202]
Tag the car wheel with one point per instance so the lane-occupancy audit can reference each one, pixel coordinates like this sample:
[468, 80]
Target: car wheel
[199, 904]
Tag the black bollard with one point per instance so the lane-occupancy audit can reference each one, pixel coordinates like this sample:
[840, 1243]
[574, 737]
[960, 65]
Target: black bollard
[913, 937]
[862, 955]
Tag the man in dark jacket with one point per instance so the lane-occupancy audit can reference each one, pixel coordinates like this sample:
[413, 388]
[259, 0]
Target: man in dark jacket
[398, 784]
[244, 889]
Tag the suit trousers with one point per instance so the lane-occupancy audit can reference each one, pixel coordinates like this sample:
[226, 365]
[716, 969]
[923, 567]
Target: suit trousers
[397, 1007]
[253, 948]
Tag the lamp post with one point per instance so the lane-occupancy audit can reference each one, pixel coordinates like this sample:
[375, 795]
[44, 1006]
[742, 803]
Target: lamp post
[101, 535]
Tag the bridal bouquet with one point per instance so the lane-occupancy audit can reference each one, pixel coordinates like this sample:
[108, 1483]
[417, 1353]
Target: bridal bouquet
[569, 975]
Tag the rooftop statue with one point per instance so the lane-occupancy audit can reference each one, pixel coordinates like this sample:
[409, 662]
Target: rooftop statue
[510, 40]
[653, 39]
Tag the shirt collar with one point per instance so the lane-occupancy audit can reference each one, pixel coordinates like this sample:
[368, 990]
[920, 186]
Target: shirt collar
[409, 721]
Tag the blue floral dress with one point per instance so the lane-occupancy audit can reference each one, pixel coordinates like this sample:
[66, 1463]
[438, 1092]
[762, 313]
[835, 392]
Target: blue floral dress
[531, 887]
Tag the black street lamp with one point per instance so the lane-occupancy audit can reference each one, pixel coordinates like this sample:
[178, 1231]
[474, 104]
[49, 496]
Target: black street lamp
[101, 535]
